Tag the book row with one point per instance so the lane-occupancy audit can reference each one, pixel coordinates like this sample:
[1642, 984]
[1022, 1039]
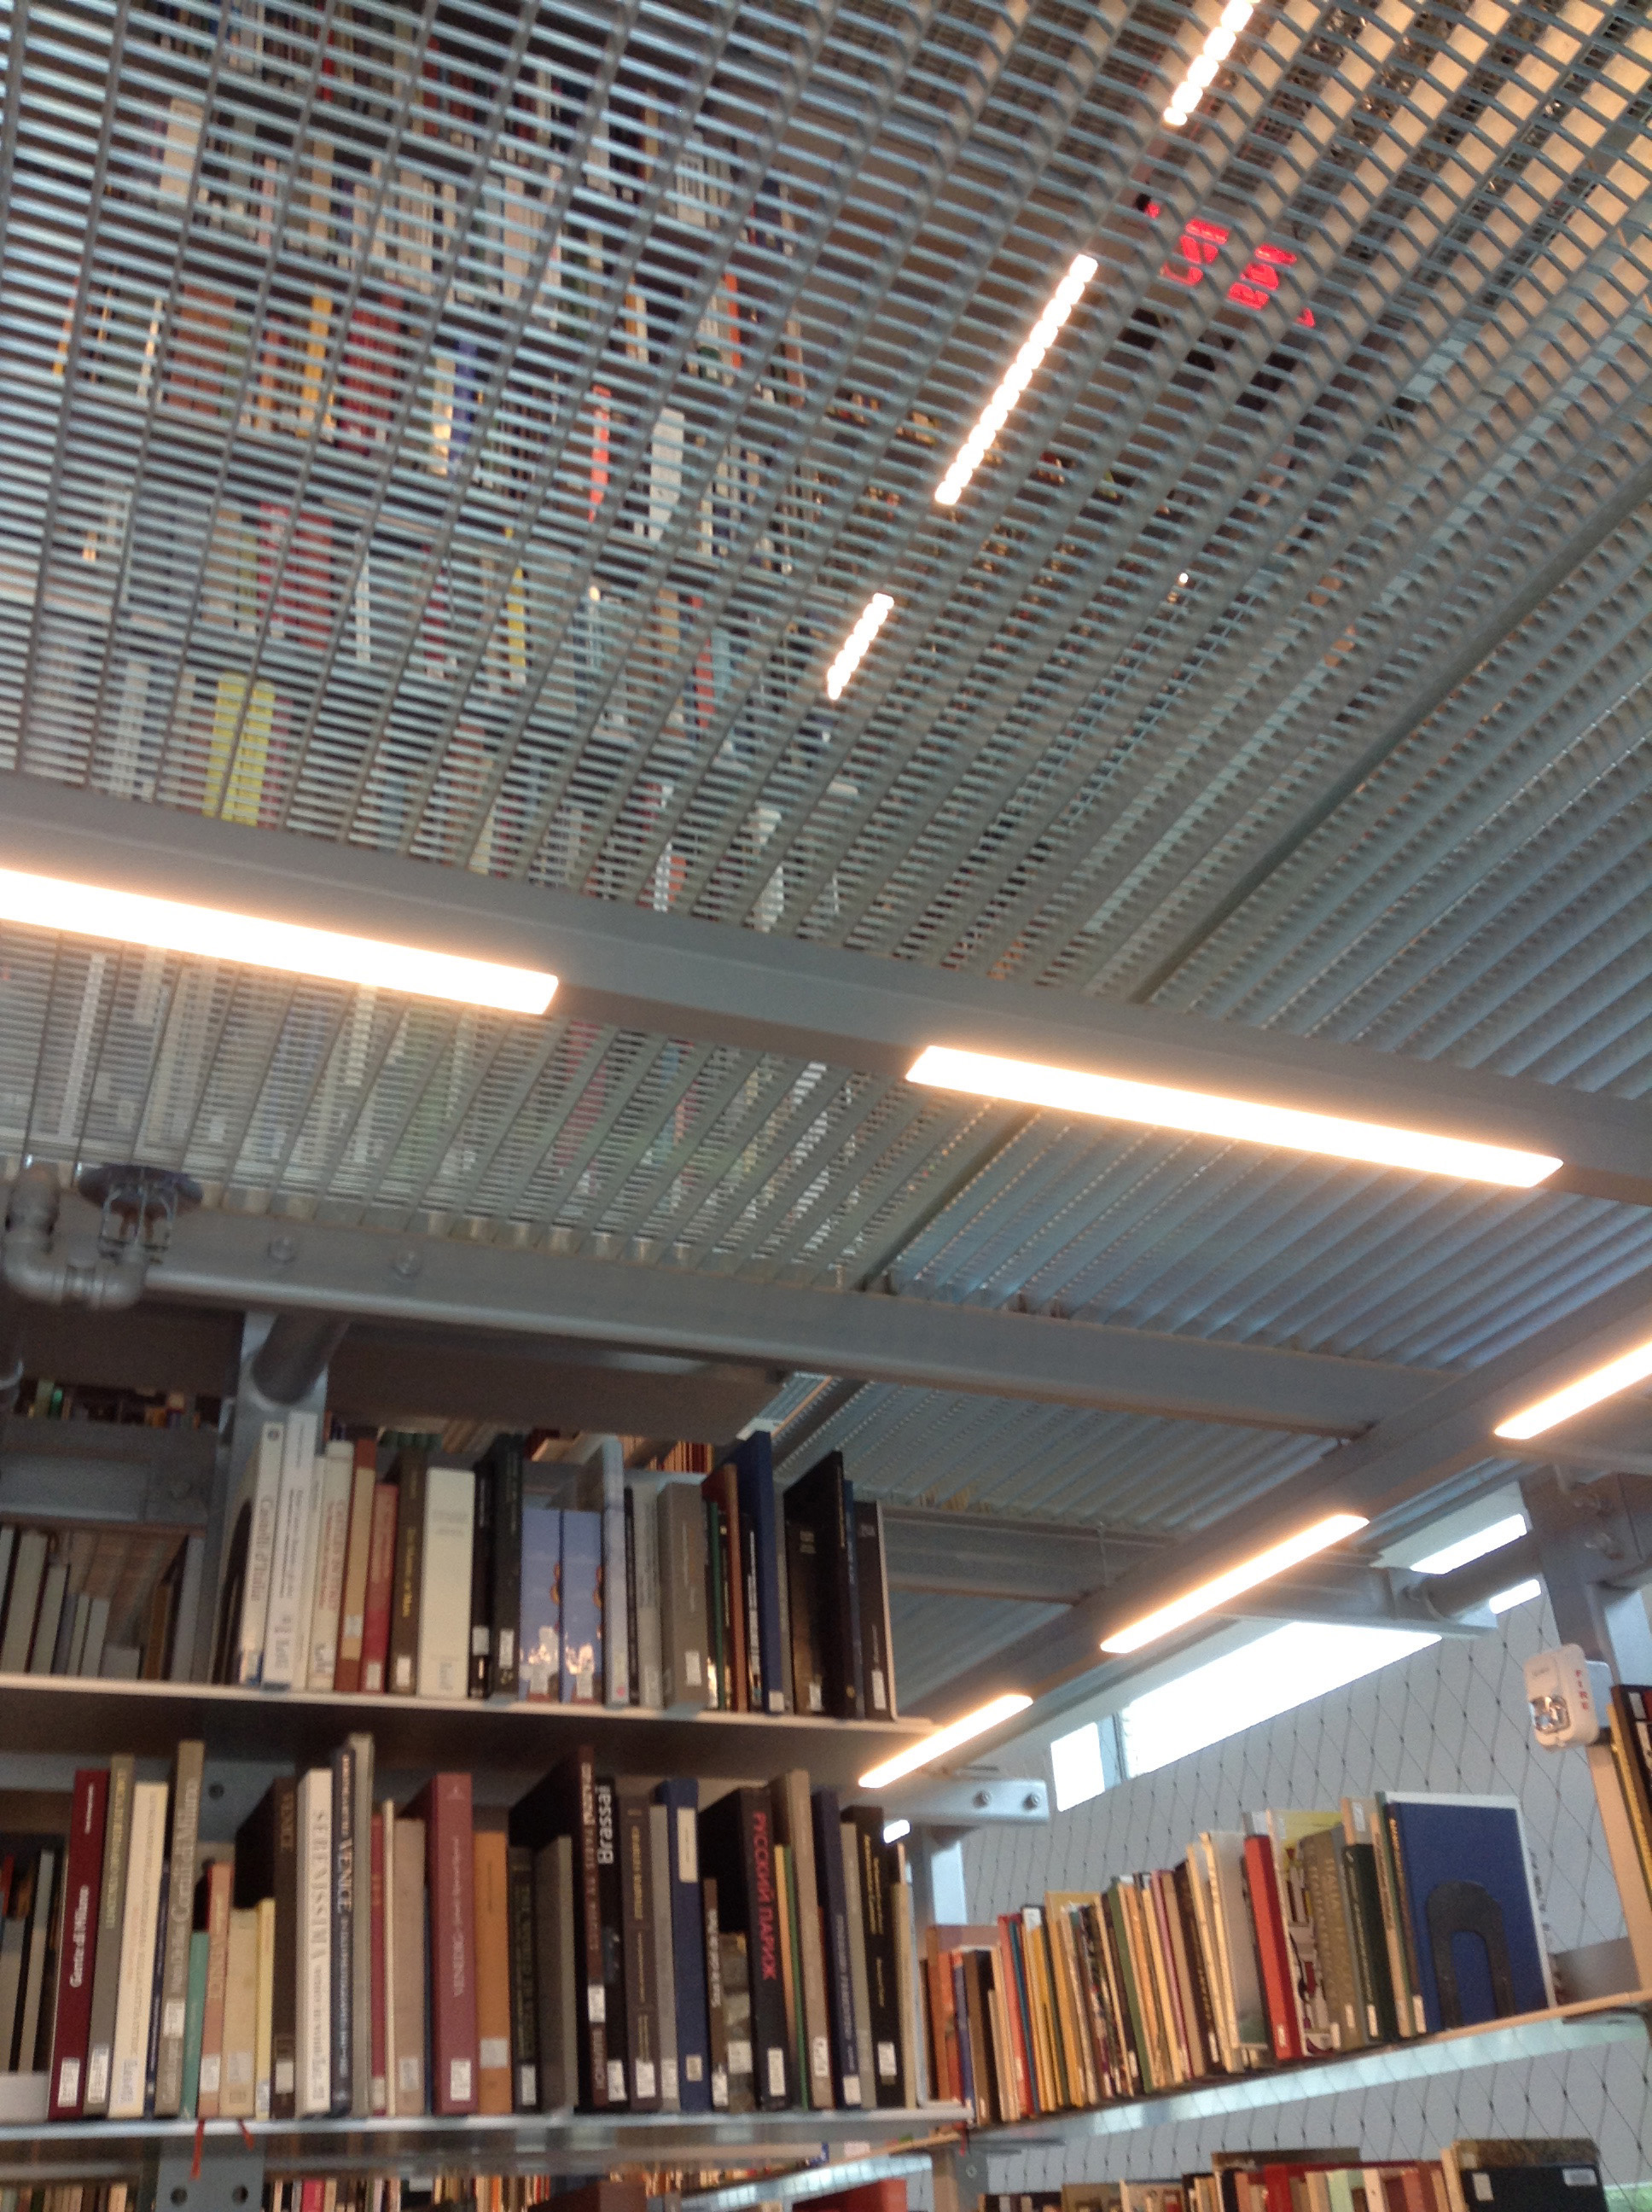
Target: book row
[551, 1581]
[1304, 1934]
[1506, 2174]
[80, 1601]
[39, 1398]
[603, 1944]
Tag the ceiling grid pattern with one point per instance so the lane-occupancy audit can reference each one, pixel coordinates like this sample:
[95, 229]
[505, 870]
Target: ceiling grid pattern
[468, 431]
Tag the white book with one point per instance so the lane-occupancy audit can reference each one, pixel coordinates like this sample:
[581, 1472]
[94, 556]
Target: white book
[645, 1541]
[189, 1611]
[260, 1553]
[333, 1536]
[97, 1628]
[445, 1593]
[314, 1942]
[307, 1574]
[140, 1933]
[293, 1534]
[24, 1602]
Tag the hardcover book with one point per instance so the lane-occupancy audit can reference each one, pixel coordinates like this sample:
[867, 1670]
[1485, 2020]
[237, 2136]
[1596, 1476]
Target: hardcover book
[736, 1852]
[1465, 1876]
[444, 1806]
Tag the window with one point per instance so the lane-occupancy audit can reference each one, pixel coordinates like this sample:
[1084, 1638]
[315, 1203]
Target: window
[1076, 1765]
[1285, 1668]
[1473, 1547]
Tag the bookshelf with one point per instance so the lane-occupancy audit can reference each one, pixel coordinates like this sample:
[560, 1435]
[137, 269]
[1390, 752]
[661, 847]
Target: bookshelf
[1626, 2018]
[54, 1713]
[102, 2149]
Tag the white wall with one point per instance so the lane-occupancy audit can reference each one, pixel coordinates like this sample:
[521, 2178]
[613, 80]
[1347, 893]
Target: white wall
[1451, 1718]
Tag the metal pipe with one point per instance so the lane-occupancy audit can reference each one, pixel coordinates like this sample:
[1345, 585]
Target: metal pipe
[294, 1357]
[1469, 1587]
[33, 1269]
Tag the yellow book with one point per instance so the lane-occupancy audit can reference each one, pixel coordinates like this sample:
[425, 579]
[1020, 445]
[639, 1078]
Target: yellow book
[1035, 1954]
[237, 2090]
[1063, 1905]
[1075, 2043]
[264, 2025]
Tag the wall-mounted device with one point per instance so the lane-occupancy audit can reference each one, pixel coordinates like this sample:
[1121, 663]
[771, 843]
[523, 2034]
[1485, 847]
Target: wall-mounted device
[1569, 1696]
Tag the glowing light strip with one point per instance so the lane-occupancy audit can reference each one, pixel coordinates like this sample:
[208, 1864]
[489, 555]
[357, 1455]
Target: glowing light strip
[1018, 376]
[1218, 45]
[1209, 1596]
[1072, 1091]
[1588, 1391]
[947, 1738]
[253, 941]
[852, 650]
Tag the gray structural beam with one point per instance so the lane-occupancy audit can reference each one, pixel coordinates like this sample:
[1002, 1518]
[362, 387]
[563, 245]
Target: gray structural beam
[673, 975]
[256, 1261]
[1447, 1432]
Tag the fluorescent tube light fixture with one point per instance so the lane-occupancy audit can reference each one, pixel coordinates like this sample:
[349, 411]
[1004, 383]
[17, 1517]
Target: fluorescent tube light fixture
[1577, 1397]
[1218, 45]
[1018, 376]
[932, 1747]
[896, 1832]
[1073, 1090]
[255, 941]
[852, 650]
[1210, 1596]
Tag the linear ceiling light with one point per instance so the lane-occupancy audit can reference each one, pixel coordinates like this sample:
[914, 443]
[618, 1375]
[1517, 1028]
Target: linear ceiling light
[852, 650]
[254, 941]
[1073, 1091]
[1018, 376]
[932, 1747]
[1588, 1391]
[1210, 1596]
[1218, 45]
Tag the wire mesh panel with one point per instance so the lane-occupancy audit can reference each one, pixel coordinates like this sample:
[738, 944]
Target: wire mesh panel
[1452, 1717]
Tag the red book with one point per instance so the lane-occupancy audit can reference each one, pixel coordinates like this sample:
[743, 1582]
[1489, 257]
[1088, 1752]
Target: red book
[380, 2099]
[82, 1888]
[444, 1806]
[1272, 1951]
[381, 1576]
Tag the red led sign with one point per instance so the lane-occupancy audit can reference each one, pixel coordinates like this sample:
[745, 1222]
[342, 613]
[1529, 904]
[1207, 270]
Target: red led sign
[1197, 247]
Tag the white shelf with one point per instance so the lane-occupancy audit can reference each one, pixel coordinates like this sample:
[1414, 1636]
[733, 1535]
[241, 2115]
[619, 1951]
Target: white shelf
[59, 1713]
[547, 2143]
[1621, 2018]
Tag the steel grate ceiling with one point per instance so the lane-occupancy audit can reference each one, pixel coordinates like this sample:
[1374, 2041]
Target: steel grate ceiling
[469, 432]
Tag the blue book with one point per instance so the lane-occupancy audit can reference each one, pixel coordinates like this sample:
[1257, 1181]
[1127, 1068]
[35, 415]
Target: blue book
[1467, 1889]
[840, 1979]
[540, 1646]
[682, 1802]
[582, 1678]
[754, 1466]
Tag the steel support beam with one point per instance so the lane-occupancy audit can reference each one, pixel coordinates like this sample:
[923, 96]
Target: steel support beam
[255, 1261]
[1402, 1458]
[671, 975]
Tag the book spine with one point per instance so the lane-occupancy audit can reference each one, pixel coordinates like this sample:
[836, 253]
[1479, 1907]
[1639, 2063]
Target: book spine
[716, 2016]
[479, 1672]
[524, 1992]
[260, 1555]
[238, 2079]
[377, 1907]
[875, 1872]
[294, 1537]
[491, 1863]
[332, 1543]
[610, 1941]
[631, 1594]
[614, 1668]
[662, 1918]
[264, 2031]
[582, 1609]
[557, 1978]
[220, 1891]
[187, 1776]
[680, 1799]
[342, 1949]
[358, 1553]
[139, 1943]
[408, 1971]
[1273, 1952]
[645, 1534]
[637, 1936]
[444, 1638]
[359, 1958]
[379, 1597]
[71, 2030]
[718, 1634]
[507, 1598]
[853, 1665]
[402, 1669]
[111, 1931]
[808, 1688]
[313, 1932]
[685, 1683]
[452, 1944]
[794, 1824]
[840, 1980]
[877, 1652]
[200, 1952]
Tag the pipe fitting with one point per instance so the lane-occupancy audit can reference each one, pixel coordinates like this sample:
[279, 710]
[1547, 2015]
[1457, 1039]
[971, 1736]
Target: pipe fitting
[30, 1268]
